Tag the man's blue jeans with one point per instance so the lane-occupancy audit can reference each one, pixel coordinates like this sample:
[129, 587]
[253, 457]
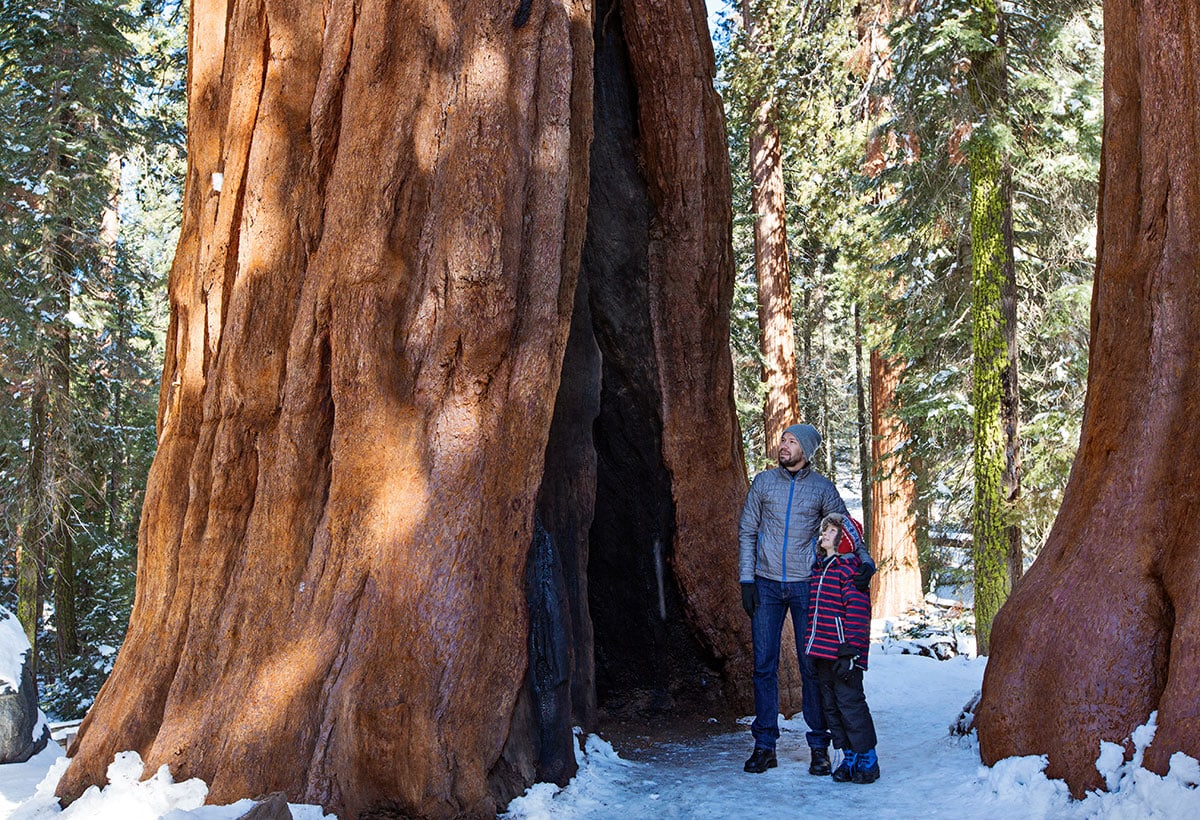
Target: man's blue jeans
[775, 599]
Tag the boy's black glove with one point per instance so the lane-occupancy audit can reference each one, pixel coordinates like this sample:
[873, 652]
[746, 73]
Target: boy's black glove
[749, 598]
[846, 663]
[862, 578]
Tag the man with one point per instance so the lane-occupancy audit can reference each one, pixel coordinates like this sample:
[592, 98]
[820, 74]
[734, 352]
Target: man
[776, 538]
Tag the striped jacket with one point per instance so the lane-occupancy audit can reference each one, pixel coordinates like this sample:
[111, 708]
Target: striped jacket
[840, 613]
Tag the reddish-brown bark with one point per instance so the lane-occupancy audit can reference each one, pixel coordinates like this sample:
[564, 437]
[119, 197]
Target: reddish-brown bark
[691, 289]
[777, 337]
[337, 593]
[1101, 630]
[897, 584]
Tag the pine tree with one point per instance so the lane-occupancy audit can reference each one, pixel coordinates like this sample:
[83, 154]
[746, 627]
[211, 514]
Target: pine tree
[1044, 126]
[993, 319]
[776, 334]
[813, 93]
[78, 342]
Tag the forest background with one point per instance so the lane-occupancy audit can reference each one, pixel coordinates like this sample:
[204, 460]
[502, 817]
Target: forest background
[880, 120]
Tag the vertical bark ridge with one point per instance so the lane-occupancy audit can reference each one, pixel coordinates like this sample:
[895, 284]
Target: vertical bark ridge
[897, 586]
[250, 39]
[326, 113]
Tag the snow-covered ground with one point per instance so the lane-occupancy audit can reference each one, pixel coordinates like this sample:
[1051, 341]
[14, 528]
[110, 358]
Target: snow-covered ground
[696, 772]
[925, 772]
[27, 793]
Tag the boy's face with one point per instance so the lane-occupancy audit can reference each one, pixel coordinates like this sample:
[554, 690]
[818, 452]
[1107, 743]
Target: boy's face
[829, 539]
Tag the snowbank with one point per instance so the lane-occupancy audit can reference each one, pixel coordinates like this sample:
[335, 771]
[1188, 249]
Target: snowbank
[13, 648]
[124, 798]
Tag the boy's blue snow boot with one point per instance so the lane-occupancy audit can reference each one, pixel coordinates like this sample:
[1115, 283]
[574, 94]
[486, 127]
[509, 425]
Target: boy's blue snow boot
[866, 767]
[844, 772]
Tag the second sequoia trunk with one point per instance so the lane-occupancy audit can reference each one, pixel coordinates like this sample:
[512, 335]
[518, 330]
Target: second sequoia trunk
[417, 464]
[1101, 632]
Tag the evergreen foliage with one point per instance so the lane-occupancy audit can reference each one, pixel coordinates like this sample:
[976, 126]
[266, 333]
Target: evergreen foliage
[1050, 132]
[90, 164]
[819, 105]
[879, 206]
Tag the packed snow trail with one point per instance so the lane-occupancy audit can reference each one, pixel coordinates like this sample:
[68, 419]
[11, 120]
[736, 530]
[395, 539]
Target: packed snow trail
[926, 772]
[913, 701]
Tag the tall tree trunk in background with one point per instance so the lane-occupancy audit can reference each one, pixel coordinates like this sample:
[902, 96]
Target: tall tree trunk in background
[1010, 398]
[922, 524]
[865, 469]
[50, 412]
[806, 360]
[823, 420]
[117, 452]
[66, 624]
[110, 233]
[388, 450]
[777, 338]
[869, 62]
[62, 544]
[31, 554]
[897, 585]
[1107, 615]
[991, 261]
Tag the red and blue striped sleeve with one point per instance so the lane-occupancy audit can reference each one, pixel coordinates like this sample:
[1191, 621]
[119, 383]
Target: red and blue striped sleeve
[857, 615]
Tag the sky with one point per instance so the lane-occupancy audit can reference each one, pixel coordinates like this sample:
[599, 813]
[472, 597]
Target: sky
[715, 7]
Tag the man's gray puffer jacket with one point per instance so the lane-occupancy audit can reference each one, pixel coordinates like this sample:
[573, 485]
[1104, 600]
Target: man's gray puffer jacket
[779, 524]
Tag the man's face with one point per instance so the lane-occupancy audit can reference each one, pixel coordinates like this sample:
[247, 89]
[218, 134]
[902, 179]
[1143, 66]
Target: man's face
[791, 454]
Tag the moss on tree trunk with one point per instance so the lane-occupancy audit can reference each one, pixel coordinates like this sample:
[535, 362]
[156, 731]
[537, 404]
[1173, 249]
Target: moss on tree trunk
[993, 337]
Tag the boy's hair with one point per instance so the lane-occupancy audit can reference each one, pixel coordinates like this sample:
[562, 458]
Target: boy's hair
[832, 520]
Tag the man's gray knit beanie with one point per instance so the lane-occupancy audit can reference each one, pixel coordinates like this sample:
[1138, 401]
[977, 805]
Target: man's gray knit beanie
[808, 437]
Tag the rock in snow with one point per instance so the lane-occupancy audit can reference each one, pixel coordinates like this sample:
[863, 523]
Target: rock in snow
[23, 729]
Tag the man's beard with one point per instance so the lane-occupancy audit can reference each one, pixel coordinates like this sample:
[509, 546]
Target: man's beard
[794, 463]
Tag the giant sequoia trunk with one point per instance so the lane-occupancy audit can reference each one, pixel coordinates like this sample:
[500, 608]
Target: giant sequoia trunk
[777, 338]
[414, 459]
[1101, 630]
[897, 585]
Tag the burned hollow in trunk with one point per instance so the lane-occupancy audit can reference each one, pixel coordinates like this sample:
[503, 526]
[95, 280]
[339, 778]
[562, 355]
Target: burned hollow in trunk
[609, 632]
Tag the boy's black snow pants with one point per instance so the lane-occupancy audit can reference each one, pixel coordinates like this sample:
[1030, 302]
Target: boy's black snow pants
[845, 706]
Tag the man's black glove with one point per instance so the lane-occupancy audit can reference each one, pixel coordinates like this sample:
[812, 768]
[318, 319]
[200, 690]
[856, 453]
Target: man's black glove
[862, 578]
[749, 598]
[846, 663]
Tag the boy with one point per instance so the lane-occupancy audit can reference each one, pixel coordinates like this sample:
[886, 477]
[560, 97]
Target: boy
[838, 639]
